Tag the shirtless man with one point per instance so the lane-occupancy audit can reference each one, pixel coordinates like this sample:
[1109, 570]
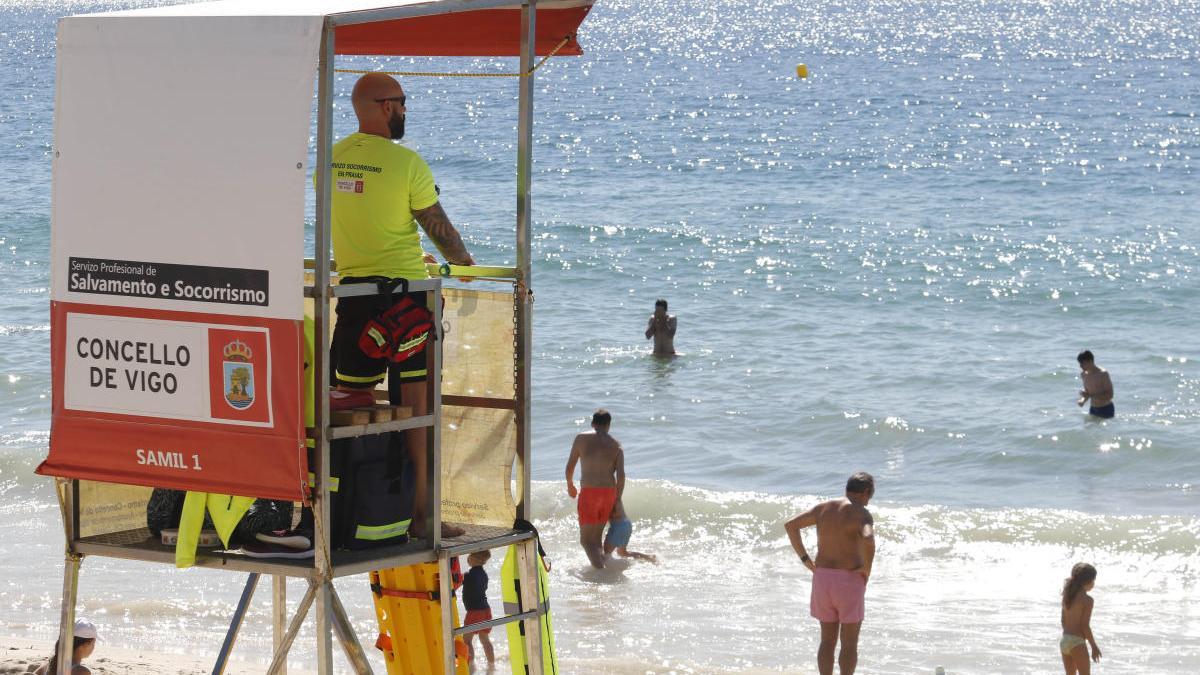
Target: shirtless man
[662, 329]
[1096, 385]
[845, 552]
[601, 481]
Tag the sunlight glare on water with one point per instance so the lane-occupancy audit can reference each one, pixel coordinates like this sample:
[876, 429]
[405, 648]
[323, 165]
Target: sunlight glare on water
[888, 265]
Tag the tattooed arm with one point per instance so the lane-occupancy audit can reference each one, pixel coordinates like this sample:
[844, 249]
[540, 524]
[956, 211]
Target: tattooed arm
[437, 225]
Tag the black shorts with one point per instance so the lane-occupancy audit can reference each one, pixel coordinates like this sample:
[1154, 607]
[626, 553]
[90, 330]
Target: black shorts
[349, 366]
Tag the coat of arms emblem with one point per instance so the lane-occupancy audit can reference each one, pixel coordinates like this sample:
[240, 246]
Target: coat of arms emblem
[239, 375]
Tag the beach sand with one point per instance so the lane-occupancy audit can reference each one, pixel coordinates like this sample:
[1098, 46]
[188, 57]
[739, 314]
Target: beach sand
[19, 655]
[22, 655]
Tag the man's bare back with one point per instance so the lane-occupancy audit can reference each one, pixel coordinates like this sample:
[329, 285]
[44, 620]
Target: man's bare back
[598, 455]
[841, 528]
[1097, 386]
[845, 536]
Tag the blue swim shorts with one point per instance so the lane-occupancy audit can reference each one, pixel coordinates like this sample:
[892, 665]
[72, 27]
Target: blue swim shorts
[618, 534]
[1105, 411]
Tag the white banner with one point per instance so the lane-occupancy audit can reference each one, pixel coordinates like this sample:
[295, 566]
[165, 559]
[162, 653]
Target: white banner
[180, 152]
[167, 369]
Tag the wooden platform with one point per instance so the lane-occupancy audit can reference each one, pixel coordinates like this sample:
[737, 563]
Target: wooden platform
[140, 544]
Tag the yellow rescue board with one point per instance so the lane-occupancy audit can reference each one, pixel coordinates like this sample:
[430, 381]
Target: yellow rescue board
[511, 592]
[410, 621]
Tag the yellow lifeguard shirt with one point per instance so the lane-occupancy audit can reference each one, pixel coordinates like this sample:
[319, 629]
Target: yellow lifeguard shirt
[377, 184]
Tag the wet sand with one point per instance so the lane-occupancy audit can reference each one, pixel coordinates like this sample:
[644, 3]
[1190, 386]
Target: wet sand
[19, 656]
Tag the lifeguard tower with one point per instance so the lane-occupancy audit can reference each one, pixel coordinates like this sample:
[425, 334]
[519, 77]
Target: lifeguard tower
[182, 137]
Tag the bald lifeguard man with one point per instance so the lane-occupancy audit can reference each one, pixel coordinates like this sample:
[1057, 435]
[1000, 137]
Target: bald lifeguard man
[381, 192]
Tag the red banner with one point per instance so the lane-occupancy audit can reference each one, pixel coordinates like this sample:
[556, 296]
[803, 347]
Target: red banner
[184, 400]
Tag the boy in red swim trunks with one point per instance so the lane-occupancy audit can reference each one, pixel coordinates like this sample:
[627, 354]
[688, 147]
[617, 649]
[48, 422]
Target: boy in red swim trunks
[475, 600]
[845, 553]
[601, 480]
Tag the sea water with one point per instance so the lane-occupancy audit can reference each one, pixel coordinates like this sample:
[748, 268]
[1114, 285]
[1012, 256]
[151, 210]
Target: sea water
[888, 266]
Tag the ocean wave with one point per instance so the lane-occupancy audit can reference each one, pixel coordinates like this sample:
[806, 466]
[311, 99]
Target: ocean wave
[746, 518]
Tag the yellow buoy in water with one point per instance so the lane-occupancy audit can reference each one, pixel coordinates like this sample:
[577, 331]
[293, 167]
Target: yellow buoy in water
[801, 71]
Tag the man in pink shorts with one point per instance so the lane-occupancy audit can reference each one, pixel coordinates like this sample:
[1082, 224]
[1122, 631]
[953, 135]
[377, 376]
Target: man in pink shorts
[845, 551]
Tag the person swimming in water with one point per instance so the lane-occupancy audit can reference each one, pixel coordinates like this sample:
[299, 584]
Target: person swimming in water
[1097, 386]
[662, 329]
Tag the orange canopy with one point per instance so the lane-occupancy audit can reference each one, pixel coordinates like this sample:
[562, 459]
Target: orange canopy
[482, 32]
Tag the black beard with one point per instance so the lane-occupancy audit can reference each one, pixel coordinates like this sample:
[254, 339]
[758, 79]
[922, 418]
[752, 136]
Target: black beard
[396, 127]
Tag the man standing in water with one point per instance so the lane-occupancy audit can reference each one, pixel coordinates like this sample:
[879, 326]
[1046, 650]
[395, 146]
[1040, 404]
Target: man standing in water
[662, 329]
[1096, 385]
[845, 552]
[381, 192]
[601, 479]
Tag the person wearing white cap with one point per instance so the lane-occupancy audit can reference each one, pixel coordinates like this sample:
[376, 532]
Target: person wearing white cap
[85, 643]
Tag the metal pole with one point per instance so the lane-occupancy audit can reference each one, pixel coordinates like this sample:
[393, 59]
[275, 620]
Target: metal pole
[66, 626]
[279, 660]
[433, 446]
[278, 614]
[68, 503]
[524, 297]
[446, 604]
[345, 633]
[531, 598]
[321, 560]
[235, 625]
[324, 608]
[63, 488]
[526, 552]
[73, 529]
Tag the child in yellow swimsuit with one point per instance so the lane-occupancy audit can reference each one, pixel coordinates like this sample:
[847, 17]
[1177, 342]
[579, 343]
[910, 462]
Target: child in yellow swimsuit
[1077, 621]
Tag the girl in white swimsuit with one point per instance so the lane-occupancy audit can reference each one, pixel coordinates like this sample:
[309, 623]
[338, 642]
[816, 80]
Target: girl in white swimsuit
[1077, 621]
